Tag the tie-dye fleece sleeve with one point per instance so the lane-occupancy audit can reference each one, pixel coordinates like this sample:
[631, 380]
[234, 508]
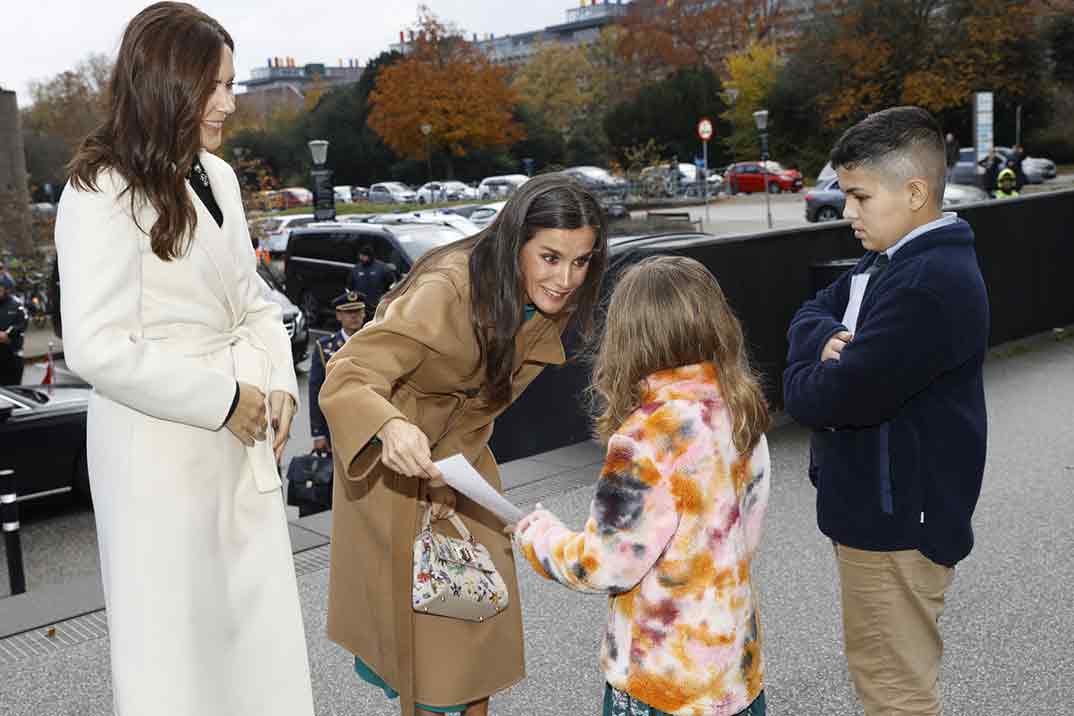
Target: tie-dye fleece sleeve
[754, 500]
[632, 519]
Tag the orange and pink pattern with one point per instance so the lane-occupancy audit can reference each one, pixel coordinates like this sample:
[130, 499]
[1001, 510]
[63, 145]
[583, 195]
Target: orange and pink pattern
[672, 531]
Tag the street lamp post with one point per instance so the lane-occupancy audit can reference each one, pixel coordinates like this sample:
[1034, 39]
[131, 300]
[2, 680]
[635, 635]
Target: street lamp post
[729, 97]
[427, 129]
[760, 118]
[324, 196]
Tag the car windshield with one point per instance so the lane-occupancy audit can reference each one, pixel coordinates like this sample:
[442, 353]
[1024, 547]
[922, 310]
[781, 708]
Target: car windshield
[417, 239]
[774, 167]
[454, 185]
[394, 186]
[270, 278]
[32, 394]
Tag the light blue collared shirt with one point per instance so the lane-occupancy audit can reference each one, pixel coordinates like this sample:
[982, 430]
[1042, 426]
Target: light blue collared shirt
[948, 218]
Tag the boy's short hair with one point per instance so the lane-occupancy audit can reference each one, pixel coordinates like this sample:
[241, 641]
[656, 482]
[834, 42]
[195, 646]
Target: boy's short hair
[899, 143]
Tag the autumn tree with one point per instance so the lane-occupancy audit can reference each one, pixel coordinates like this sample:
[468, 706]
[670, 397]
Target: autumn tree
[445, 82]
[751, 73]
[557, 82]
[667, 112]
[662, 35]
[65, 109]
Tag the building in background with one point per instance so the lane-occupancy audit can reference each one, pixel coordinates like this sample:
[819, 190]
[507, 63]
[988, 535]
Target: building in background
[583, 25]
[282, 85]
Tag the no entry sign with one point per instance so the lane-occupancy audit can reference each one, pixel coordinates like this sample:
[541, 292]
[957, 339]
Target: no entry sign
[704, 129]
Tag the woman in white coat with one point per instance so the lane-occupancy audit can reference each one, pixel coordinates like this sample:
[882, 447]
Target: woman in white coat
[164, 315]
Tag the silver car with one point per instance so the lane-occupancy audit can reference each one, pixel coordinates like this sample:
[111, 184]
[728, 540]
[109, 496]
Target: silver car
[391, 192]
[825, 201]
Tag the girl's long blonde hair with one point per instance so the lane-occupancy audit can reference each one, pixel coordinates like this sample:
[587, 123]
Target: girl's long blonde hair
[667, 312]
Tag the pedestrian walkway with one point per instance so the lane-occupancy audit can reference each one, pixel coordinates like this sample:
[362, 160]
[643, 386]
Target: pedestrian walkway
[1008, 624]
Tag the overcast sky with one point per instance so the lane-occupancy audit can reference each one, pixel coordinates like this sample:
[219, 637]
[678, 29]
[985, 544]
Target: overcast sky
[41, 38]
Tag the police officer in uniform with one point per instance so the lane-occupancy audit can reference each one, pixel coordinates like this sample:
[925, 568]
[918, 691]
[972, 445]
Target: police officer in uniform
[13, 322]
[350, 312]
[370, 277]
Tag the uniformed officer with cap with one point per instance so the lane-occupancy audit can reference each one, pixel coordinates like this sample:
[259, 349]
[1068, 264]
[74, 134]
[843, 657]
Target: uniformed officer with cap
[13, 322]
[350, 312]
[371, 277]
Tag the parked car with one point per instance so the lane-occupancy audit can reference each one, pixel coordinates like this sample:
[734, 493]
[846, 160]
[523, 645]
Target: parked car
[277, 230]
[1036, 169]
[43, 210]
[359, 193]
[463, 210]
[445, 191]
[321, 256]
[43, 439]
[343, 194]
[749, 177]
[600, 182]
[294, 322]
[659, 181]
[391, 192]
[484, 215]
[500, 187]
[826, 200]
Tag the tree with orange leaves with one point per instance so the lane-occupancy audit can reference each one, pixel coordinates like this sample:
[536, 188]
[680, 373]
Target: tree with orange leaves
[930, 53]
[665, 35]
[447, 83]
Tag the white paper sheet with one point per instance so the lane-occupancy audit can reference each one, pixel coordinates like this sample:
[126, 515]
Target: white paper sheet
[460, 474]
[858, 282]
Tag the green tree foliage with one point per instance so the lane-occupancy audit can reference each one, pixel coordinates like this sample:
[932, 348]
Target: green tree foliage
[752, 73]
[667, 112]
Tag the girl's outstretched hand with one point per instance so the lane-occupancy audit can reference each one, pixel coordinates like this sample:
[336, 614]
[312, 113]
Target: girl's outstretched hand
[520, 527]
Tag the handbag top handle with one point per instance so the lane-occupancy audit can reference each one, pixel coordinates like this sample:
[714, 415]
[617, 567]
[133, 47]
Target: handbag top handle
[455, 520]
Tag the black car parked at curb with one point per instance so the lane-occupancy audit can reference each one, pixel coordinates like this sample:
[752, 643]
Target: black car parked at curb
[320, 256]
[43, 439]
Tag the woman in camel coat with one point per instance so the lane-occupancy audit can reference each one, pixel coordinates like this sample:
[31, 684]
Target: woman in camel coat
[420, 383]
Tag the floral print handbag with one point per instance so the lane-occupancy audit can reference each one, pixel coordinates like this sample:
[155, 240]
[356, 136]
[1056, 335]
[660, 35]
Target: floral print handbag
[455, 577]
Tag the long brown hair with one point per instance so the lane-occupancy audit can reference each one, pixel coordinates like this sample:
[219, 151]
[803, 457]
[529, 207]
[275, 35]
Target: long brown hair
[497, 293]
[163, 78]
[667, 312]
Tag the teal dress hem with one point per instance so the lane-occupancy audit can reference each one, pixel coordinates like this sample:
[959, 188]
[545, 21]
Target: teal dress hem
[370, 677]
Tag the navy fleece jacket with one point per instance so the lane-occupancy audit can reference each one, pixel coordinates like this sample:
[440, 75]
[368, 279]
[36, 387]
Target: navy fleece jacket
[898, 451]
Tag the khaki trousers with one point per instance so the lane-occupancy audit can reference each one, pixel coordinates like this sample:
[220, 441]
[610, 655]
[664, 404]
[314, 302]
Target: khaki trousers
[892, 602]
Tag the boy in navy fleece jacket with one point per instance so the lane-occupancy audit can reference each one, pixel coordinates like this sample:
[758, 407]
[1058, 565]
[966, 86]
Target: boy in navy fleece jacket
[885, 365]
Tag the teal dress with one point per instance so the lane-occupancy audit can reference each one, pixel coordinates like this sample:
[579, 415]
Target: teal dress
[371, 677]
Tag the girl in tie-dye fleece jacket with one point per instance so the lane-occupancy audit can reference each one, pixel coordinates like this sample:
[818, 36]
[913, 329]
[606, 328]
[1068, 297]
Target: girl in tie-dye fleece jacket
[677, 514]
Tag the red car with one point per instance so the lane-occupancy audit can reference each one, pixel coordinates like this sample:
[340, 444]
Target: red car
[747, 177]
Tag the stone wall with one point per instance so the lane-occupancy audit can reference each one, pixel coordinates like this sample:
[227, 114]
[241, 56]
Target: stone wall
[15, 233]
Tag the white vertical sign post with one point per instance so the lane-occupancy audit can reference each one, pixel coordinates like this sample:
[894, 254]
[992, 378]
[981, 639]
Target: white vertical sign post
[983, 126]
[704, 131]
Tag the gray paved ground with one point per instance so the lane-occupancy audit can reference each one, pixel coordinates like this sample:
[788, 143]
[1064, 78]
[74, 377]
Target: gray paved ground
[1009, 624]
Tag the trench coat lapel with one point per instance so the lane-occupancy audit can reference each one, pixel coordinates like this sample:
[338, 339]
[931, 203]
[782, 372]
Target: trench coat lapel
[212, 240]
[539, 341]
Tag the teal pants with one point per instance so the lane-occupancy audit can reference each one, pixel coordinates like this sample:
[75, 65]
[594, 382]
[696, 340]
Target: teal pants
[370, 677]
[620, 703]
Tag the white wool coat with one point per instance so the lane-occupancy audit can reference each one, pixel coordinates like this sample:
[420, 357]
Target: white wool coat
[199, 581]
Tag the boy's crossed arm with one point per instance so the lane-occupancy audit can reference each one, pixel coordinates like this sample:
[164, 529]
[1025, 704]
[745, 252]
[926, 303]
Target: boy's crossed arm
[894, 355]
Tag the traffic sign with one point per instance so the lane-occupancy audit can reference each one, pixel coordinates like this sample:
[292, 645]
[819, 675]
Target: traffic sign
[704, 129]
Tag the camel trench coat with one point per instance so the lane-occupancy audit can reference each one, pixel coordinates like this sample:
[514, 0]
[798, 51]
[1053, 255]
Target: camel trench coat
[199, 582]
[416, 360]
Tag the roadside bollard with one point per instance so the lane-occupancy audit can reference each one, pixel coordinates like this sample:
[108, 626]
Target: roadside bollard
[9, 518]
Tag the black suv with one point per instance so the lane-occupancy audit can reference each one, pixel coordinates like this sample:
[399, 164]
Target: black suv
[320, 256]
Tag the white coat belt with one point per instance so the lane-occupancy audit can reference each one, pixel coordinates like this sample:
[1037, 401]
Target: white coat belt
[252, 365]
